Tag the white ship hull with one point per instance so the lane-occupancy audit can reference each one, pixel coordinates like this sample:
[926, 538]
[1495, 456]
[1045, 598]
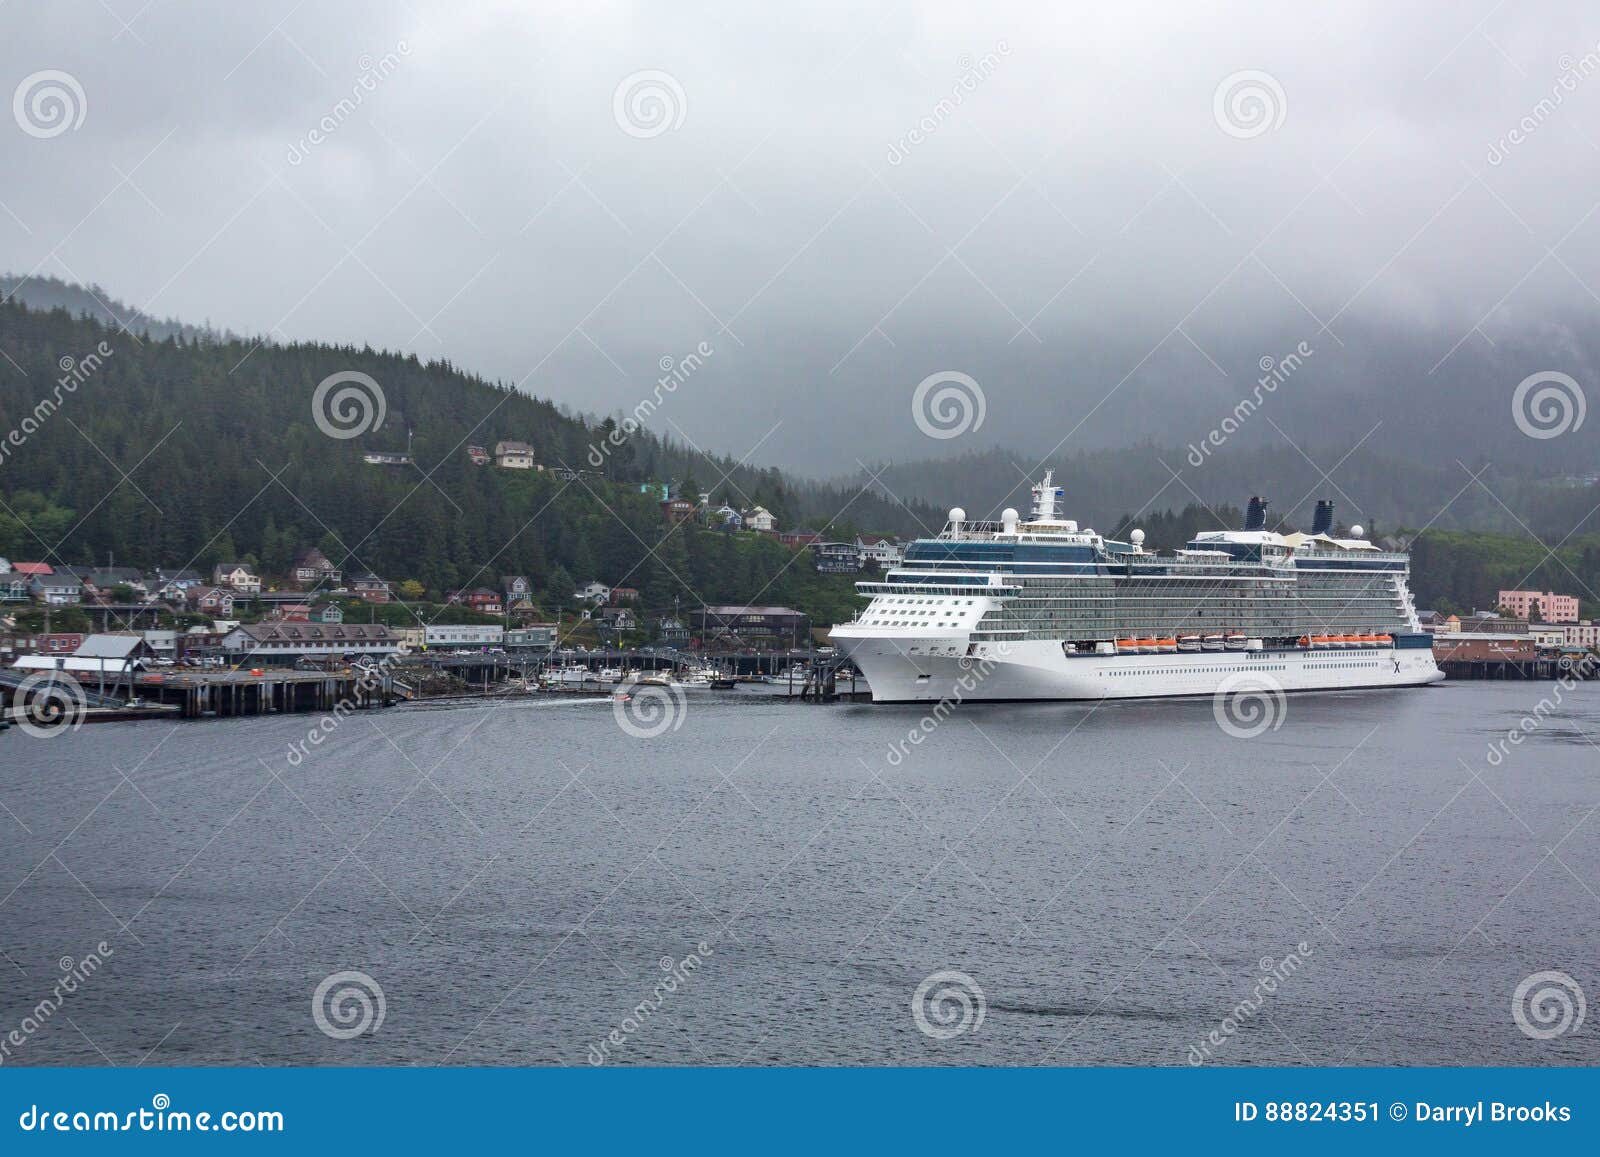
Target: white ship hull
[1040, 670]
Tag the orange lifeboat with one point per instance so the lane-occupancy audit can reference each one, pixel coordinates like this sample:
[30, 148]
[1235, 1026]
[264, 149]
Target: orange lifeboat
[1148, 646]
[1167, 645]
[1385, 640]
[1127, 646]
[1322, 640]
[1305, 640]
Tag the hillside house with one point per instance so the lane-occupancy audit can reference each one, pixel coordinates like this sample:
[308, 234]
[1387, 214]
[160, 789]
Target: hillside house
[676, 510]
[217, 601]
[836, 557]
[513, 455]
[55, 590]
[480, 599]
[236, 576]
[311, 568]
[369, 588]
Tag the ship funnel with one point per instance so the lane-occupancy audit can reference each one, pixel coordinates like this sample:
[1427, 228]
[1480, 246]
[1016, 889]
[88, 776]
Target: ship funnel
[1322, 521]
[1256, 516]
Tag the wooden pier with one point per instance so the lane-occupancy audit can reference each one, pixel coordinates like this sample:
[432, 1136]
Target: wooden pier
[275, 690]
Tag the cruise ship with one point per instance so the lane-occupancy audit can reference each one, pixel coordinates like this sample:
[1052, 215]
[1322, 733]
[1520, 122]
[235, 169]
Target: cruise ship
[1041, 609]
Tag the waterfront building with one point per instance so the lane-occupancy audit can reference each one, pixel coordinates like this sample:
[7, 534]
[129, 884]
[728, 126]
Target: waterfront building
[290, 641]
[532, 637]
[1552, 608]
[750, 625]
[463, 635]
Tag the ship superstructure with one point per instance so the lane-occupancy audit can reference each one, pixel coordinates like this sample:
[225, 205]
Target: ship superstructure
[1046, 609]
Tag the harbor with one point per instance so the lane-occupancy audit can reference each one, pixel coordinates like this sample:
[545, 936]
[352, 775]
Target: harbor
[139, 693]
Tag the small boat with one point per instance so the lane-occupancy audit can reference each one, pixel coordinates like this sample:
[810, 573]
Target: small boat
[1188, 642]
[571, 676]
[1321, 642]
[1127, 646]
[1147, 647]
[1305, 641]
[1166, 645]
[1212, 643]
[724, 683]
[1385, 640]
[797, 673]
[1235, 642]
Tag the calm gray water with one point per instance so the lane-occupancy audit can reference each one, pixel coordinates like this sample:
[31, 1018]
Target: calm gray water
[512, 876]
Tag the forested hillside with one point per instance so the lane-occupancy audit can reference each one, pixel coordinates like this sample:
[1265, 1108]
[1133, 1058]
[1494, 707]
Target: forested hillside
[192, 450]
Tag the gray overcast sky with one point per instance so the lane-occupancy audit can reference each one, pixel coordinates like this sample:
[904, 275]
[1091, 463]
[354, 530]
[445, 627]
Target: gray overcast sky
[1077, 220]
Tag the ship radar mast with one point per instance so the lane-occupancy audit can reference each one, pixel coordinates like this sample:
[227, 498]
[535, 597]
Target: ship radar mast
[1045, 494]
